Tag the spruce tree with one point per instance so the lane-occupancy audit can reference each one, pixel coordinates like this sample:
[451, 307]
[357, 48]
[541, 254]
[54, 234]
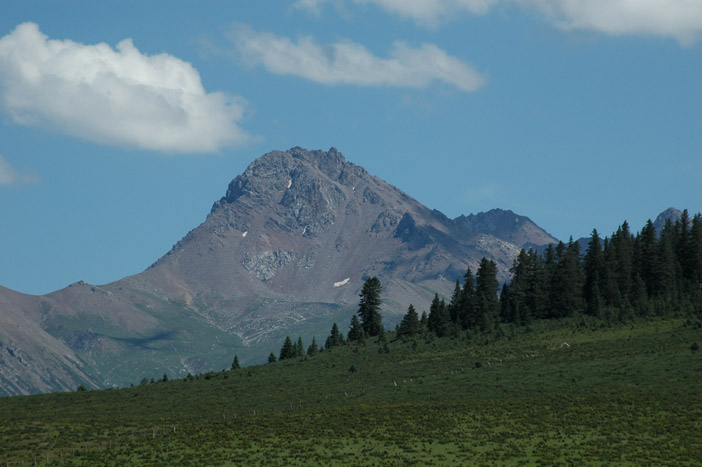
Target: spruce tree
[369, 307]
[454, 306]
[566, 283]
[537, 285]
[669, 267]
[647, 258]
[486, 309]
[467, 300]
[622, 245]
[410, 325]
[594, 266]
[423, 320]
[517, 289]
[287, 350]
[271, 358]
[507, 311]
[335, 337]
[235, 363]
[611, 294]
[528, 289]
[312, 350]
[356, 333]
[439, 319]
[299, 348]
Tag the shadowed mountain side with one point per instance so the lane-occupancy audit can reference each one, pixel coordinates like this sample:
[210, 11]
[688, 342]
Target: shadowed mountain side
[284, 252]
[31, 359]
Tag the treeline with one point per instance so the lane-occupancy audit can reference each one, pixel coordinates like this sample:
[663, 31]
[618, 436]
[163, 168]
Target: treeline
[370, 324]
[617, 278]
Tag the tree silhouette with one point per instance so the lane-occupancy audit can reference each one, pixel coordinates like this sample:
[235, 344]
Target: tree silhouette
[369, 307]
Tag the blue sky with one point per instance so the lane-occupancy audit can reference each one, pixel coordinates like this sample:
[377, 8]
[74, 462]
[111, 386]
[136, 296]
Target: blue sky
[121, 122]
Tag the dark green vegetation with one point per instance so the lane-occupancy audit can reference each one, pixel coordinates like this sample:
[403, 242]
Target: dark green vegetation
[561, 391]
[617, 278]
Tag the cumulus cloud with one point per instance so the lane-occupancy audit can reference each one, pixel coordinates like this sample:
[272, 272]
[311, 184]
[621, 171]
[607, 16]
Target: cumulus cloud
[351, 63]
[679, 19]
[113, 96]
[9, 176]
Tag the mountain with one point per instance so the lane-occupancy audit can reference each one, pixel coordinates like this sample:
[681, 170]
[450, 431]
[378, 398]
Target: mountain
[670, 214]
[284, 252]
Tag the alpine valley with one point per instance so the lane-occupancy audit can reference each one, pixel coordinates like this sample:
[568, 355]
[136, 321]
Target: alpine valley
[284, 252]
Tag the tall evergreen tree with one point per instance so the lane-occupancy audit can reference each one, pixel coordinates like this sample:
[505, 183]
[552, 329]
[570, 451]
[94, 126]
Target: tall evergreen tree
[313, 349]
[594, 267]
[669, 270]
[537, 285]
[486, 310]
[369, 307]
[528, 290]
[623, 247]
[287, 350]
[423, 320]
[439, 321]
[409, 326]
[611, 294]
[467, 300]
[506, 311]
[550, 267]
[235, 363]
[299, 348]
[355, 333]
[454, 306]
[335, 337]
[566, 283]
[648, 258]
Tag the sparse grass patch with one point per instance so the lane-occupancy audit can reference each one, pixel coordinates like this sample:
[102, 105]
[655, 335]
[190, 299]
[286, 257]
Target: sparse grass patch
[627, 394]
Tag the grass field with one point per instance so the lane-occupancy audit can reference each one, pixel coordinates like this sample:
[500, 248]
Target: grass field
[549, 394]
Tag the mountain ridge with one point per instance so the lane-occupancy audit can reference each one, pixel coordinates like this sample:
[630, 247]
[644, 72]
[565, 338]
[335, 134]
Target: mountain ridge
[284, 251]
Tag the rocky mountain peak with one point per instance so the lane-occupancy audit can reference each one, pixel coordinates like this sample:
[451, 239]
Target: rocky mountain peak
[671, 214]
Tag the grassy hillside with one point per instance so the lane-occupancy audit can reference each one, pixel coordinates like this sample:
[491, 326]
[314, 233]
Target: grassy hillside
[551, 393]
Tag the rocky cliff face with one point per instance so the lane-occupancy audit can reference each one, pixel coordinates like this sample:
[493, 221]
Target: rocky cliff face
[285, 251]
[671, 214]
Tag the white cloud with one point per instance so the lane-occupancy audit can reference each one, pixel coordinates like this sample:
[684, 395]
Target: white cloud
[9, 176]
[679, 19]
[431, 12]
[348, 62]
[425, 12]
[113, 96]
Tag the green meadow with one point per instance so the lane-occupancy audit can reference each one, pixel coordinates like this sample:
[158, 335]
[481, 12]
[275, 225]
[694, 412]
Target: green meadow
[557, 392]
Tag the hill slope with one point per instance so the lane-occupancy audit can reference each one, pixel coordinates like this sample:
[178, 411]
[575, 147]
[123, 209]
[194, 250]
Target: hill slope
[552, 394]
[285, 251]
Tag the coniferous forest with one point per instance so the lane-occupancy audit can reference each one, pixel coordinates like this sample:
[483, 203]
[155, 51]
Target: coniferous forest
[615, 279]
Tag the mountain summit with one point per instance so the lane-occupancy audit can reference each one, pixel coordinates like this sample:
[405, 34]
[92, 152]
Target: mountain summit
[308, 227]
[284, 252]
